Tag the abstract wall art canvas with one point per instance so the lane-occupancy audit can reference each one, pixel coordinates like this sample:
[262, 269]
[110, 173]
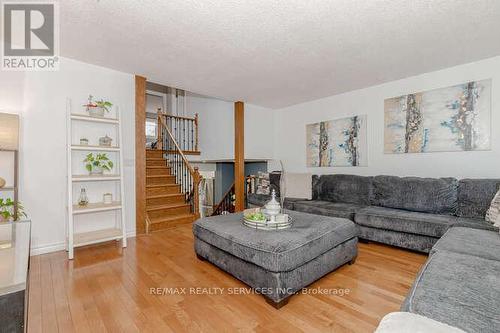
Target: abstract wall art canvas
[456, 118]
[335, 143]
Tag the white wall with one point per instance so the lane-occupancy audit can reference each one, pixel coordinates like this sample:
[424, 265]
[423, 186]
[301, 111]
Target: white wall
[290, 122]
[43, 140]
[216, 132]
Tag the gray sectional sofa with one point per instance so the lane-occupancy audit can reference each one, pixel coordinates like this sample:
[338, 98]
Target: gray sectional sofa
[459, 285]
[408, 212]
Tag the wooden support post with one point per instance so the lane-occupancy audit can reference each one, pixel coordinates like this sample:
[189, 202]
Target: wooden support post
[196, 194]
[239, 156]
[140, 154]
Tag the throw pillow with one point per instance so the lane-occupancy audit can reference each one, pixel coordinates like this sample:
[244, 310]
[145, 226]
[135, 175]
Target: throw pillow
[298, 185]
[493, 213]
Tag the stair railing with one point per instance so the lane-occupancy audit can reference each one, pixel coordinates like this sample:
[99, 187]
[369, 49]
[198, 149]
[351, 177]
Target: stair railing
[226, 204]
[187, 177]
[184, 131]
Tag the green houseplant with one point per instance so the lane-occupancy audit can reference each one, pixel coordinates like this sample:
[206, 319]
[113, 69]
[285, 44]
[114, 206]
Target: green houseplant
[105, 105]
[98, 108]
[7, 207]
[96, 164]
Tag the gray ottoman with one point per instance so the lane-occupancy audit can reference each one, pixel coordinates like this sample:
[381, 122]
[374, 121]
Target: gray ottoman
[277, 263]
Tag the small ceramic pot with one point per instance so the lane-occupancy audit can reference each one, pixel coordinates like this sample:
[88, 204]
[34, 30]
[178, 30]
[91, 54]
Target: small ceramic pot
[96, 171]
[95, 111]
[84, 142]
[2, 182]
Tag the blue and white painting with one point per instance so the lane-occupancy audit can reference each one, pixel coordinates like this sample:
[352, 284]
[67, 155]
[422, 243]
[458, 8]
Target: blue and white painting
[335, 143]
[456, 118]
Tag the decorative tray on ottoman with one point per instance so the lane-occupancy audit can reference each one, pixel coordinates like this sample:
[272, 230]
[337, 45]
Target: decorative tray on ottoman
[268, 222]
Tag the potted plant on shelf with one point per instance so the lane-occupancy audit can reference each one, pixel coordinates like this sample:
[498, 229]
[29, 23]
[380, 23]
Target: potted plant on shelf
[96, 164]
[98, 108]
[7, 207]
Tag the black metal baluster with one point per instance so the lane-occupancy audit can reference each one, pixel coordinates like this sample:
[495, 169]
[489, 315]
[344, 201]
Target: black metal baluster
[191, 143]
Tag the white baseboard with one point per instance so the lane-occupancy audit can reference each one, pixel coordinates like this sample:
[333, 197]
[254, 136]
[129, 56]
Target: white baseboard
[61, 246]
[48, 248]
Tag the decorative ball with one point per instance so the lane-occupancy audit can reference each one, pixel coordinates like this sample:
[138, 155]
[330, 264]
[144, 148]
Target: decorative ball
[2, 182]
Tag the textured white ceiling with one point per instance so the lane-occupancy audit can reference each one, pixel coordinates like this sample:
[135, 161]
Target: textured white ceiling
[281, 52]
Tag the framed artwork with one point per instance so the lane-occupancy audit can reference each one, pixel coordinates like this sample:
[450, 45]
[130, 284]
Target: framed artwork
[337, 143]
[456, 118]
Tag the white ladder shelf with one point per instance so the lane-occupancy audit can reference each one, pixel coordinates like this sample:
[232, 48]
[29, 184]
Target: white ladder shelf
[118, 231]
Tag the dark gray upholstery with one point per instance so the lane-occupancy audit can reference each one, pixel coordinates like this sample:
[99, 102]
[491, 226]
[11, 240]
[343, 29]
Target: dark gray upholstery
[326, 208]
[278, 285]
[259, 200]
[474, 223]
[274, 182]
[284, 250]
[425, 207]
[428, 195]
[404, 221]
[400, 239]
[476, 242]
[460, 290]
[343, 188]
[475, 196]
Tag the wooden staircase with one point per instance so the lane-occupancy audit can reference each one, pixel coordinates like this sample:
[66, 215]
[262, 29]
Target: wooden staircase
[166, 205]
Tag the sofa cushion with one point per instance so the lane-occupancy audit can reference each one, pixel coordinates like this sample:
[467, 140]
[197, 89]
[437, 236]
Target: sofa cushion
[260, 200]
[476, 242]
[459, 290]
[474, 223]
[493, 213]
[309, 237]
[327, 208]
[405, 322]
[343, 188]
[404, 221]
[405, 240]
[427, 195]
[475, 196]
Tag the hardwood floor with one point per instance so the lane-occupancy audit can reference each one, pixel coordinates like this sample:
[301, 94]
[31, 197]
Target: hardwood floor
[107, 289]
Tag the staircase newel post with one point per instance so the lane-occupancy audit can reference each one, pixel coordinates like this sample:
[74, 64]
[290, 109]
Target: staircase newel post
[159, 130]
[196, 194]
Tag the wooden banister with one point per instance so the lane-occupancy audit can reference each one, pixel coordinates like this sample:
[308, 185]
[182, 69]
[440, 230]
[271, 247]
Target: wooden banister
[177, 148]
[184, 131]
[186, 176]
[226, 204]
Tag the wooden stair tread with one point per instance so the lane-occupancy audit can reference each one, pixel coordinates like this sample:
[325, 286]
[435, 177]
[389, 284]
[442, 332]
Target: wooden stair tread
[171, 218]
[160, 176]
[167, 206]
[155, 159]
[165, 195]
[161, 185]
[157, 167]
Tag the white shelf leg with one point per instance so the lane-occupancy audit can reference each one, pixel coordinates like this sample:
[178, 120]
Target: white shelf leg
[70, 219]
[122, 192]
